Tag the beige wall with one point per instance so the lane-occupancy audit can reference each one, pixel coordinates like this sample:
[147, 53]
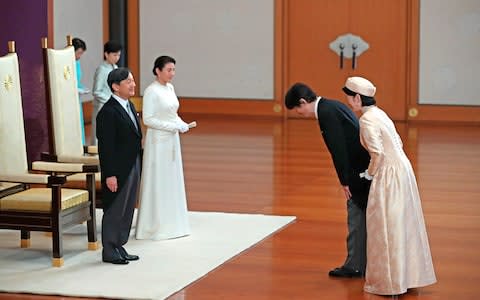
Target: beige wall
[223, 48]
[83, 19]
[449, 52]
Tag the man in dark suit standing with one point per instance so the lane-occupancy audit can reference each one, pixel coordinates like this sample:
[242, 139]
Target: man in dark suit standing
[340, 131]
[119, 147]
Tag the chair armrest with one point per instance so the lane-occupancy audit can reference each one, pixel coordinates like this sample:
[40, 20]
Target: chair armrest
[64, 167]
[90, 158]
[81, 159]
[56, 180]
[90, 149]
[25, 178]
[57, 167]
[9, 188]
[87, 168]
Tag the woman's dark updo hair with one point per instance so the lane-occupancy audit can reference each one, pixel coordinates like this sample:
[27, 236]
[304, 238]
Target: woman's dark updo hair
[366, 101]
[79, 44]
[161, 61]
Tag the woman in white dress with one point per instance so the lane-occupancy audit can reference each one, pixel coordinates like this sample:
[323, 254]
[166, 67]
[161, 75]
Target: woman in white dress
[398, 252]
[162, 212]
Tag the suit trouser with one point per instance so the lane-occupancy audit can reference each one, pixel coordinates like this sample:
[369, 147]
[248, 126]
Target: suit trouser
[117, 219]
[357, 237]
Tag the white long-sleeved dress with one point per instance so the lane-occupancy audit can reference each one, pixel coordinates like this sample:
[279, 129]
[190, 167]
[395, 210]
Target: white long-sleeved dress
[162, 212]
[398, 252]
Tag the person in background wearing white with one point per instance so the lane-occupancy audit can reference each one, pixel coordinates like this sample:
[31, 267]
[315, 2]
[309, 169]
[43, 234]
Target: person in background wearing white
[162, 212]
[398, 252]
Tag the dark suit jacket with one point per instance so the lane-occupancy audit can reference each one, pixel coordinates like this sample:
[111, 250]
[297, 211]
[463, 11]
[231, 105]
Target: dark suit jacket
[340, 131]
[119, 144]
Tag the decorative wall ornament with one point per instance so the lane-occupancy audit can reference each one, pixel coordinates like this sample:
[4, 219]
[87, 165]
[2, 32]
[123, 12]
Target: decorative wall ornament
[348, 44]
[413, 112]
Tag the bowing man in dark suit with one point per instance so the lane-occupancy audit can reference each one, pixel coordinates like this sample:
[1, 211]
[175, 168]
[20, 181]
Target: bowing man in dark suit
[119, 147]
[340, 130]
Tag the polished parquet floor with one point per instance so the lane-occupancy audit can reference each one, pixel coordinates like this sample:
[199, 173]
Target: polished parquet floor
[282, 167]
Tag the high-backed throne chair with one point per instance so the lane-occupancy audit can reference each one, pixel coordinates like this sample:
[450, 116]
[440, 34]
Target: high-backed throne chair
[63, 98]
[46, 207]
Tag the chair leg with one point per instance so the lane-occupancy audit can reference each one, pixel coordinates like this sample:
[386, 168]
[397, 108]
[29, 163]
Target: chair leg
[24, 239]
[57, 242]
[57, 262]
[57, 227]
[91, 224]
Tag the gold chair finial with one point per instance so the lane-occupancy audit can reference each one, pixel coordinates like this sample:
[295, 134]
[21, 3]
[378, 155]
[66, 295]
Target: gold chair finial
[69, 40]
[44, 43]
[11, 46]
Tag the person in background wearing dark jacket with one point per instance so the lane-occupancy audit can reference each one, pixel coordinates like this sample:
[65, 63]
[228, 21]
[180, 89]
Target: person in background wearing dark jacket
[340, 130]
[119, 148]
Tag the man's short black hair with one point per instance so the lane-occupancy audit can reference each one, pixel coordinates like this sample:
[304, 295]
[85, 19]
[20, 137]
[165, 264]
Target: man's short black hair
[299, 91]
[116, 76]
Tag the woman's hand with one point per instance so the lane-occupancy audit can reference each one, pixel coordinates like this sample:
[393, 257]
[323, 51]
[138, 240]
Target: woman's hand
[182, 127]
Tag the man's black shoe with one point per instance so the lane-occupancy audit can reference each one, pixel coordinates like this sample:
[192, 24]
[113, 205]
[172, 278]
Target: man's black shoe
[131, 257]
[345, 272]
[117, 261]
[127, 256]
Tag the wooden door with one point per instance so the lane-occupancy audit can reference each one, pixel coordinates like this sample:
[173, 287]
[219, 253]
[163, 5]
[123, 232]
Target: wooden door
[313, 24]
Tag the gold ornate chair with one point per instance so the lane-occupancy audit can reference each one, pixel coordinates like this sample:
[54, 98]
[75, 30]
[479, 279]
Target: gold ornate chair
[49, 208]
[62, 94]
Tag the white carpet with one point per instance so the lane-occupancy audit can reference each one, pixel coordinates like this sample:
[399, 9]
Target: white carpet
[164, 266]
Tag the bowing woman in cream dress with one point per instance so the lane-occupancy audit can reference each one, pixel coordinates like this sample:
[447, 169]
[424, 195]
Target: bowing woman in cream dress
[162, 212]
[398, 252]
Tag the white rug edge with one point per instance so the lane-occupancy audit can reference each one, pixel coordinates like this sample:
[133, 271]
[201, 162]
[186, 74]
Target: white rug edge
[287, 219]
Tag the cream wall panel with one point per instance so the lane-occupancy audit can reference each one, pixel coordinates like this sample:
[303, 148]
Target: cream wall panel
[83, 19]
[223, 48]
[449, 52]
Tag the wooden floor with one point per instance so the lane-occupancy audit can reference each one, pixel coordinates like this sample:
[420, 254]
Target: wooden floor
[275, 167]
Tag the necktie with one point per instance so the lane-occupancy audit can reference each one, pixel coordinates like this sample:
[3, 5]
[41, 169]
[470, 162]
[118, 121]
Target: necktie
[131, 115]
